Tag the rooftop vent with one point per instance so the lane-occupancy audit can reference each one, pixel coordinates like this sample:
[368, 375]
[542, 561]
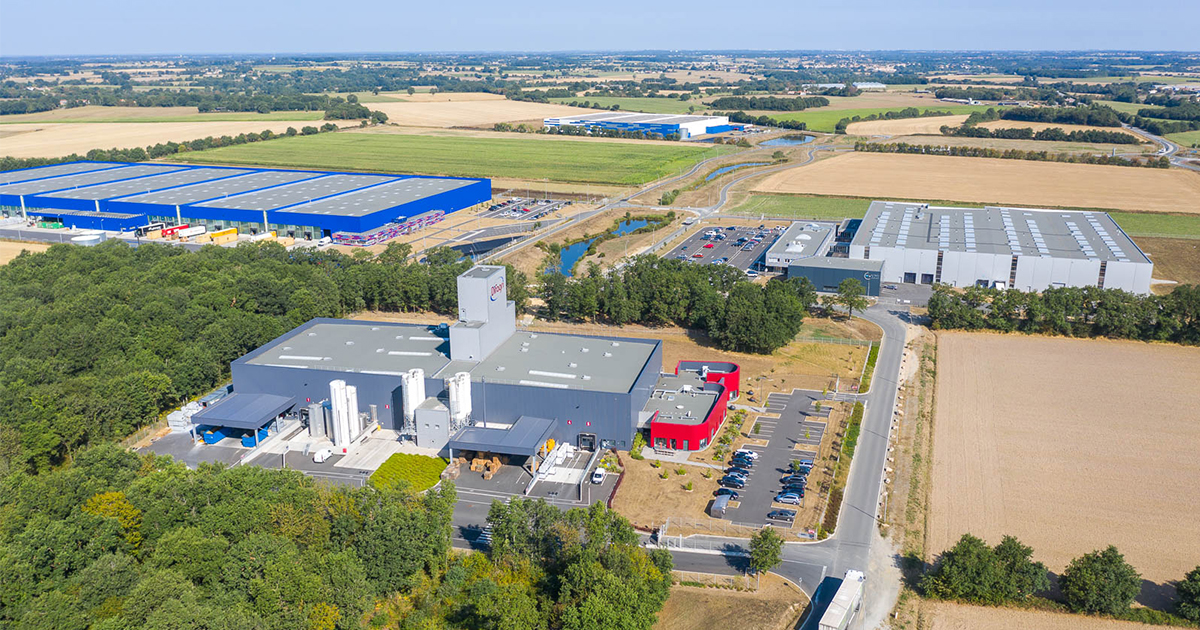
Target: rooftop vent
[583, 349]
[349, 343]
[572, 364]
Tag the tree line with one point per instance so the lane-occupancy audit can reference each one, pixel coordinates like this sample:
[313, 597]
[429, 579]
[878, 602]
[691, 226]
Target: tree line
[1100, 582]
[978, 93]
[769, 103]
[1053, 134]
[1010, 154]
[96, 342]
[1091, 115]
[1072, 311]
[118, 540]
[736, 314]
[895, 114]
[1178, 110]
[164, 149]
[741, 117]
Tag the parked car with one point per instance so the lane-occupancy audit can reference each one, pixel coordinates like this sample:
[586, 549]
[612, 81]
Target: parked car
[734, 470]
[698, 255]
[793, 490]
[733, 482]
[788, 498]
[891, 287]
[747, 453]
[730, 228]
[708, 246]
[793, 477]
[742, 463]
[787, 516]
[733, 494]
[598, 476]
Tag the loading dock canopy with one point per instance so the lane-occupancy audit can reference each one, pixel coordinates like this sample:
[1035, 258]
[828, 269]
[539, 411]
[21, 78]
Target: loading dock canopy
[244, 411]
[524, 437]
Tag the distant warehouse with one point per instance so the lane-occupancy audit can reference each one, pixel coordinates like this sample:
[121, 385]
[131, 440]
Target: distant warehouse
[685, 126]
[1021, 248]
[349, 208]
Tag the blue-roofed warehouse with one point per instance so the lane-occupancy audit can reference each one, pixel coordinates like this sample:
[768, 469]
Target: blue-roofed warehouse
[352, 208]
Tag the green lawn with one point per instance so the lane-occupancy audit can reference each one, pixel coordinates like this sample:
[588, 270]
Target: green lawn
[213, 117]
[819, 119]
[1128, 108]
[418, 472]
[566, 160]
[1186, 138]
[835, 208]
[648, 105]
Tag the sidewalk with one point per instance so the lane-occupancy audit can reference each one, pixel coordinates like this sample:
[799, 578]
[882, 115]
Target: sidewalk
[676, 457]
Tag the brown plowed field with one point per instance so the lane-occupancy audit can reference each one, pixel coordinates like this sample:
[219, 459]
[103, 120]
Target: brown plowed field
[470, 113]
[947, 616]
[904, 126]
[986, 180]
[1070, 445]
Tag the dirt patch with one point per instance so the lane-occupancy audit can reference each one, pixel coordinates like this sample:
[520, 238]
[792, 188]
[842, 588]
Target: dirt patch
[984, 180]
[1069, 445]
[57, 139]
[646, 499]
[774, 606]
[903, 126]
[1175, 259]
[948, 616]
[10, 250]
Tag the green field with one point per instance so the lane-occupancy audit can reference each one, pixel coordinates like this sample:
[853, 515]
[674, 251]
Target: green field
[565, 160]
[213, 117]
[826, 119]
[1186, 138]
[836, 208]
[418, 472]
[648, 105]
[1128, 108]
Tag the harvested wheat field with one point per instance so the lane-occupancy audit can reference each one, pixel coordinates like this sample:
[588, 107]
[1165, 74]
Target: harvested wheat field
[56, 139]
[904, 126]
[1070, 445]
[775, 606]
[1038, 126]
[948, 616]
[10, 250]
[986, 180]
[469, 113]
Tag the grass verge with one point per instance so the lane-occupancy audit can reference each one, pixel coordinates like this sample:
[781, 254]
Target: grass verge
[418, 472]
[869, 370]
[569, 160]
[838, 488]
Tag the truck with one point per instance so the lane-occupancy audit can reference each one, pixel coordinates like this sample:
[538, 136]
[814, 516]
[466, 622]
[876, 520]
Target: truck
[846, 602]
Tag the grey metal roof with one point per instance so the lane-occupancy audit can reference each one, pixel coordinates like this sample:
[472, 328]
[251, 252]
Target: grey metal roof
[300, 192]
[997, 230]
[363, 347]
[244, 411]
[84, 179]
[829, 262]
[221, 188]
[54, 171]
[675, 406]
[799, 240]
[566, 362]
[382, 197]
[147, 184]
[522, 438]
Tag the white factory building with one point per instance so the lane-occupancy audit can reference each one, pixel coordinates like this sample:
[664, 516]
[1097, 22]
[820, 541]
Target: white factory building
[1020, 248]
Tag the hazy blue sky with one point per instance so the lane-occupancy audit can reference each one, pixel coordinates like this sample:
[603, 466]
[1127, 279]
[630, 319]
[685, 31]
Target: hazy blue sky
[50, 27]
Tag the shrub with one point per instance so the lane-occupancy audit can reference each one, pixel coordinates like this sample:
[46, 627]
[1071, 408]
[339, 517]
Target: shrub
[664, 474]
[656, 464]
[1100, 582]
[688, 486]
[1188, 606]
[681, 471]
[639, 443]
[417, 471]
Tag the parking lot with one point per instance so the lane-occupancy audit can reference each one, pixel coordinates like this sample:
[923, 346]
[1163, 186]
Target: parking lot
[524, 208]
[795, 434]
[735, 248]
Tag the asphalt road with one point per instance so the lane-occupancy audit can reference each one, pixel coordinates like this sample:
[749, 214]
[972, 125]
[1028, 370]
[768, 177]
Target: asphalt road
[724, 249]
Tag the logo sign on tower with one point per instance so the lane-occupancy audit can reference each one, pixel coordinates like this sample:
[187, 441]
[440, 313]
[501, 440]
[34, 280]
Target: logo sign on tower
[496, 290]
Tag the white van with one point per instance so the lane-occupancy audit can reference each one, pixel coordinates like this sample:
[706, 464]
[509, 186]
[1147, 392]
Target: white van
[320, 456]
[598, 476]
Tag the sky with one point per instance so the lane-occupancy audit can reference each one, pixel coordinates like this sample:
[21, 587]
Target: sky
[110, 27]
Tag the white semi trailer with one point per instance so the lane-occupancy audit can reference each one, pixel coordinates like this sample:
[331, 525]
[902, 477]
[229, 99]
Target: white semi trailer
[845, 604]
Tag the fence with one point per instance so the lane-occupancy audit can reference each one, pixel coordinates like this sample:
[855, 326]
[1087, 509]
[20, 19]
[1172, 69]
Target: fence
[711, 527]
[837, 340]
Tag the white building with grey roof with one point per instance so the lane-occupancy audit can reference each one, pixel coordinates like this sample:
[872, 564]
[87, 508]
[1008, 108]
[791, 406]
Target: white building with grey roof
[1022, 248]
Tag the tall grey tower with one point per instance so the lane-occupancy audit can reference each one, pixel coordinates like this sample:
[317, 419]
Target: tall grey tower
[485, 315]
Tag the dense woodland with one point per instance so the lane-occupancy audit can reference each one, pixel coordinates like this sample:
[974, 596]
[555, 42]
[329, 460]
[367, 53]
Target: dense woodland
[907, 112]
[769, 103]
[1053, 134]
[1072, 311]
[735, 313]
[118, 541]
